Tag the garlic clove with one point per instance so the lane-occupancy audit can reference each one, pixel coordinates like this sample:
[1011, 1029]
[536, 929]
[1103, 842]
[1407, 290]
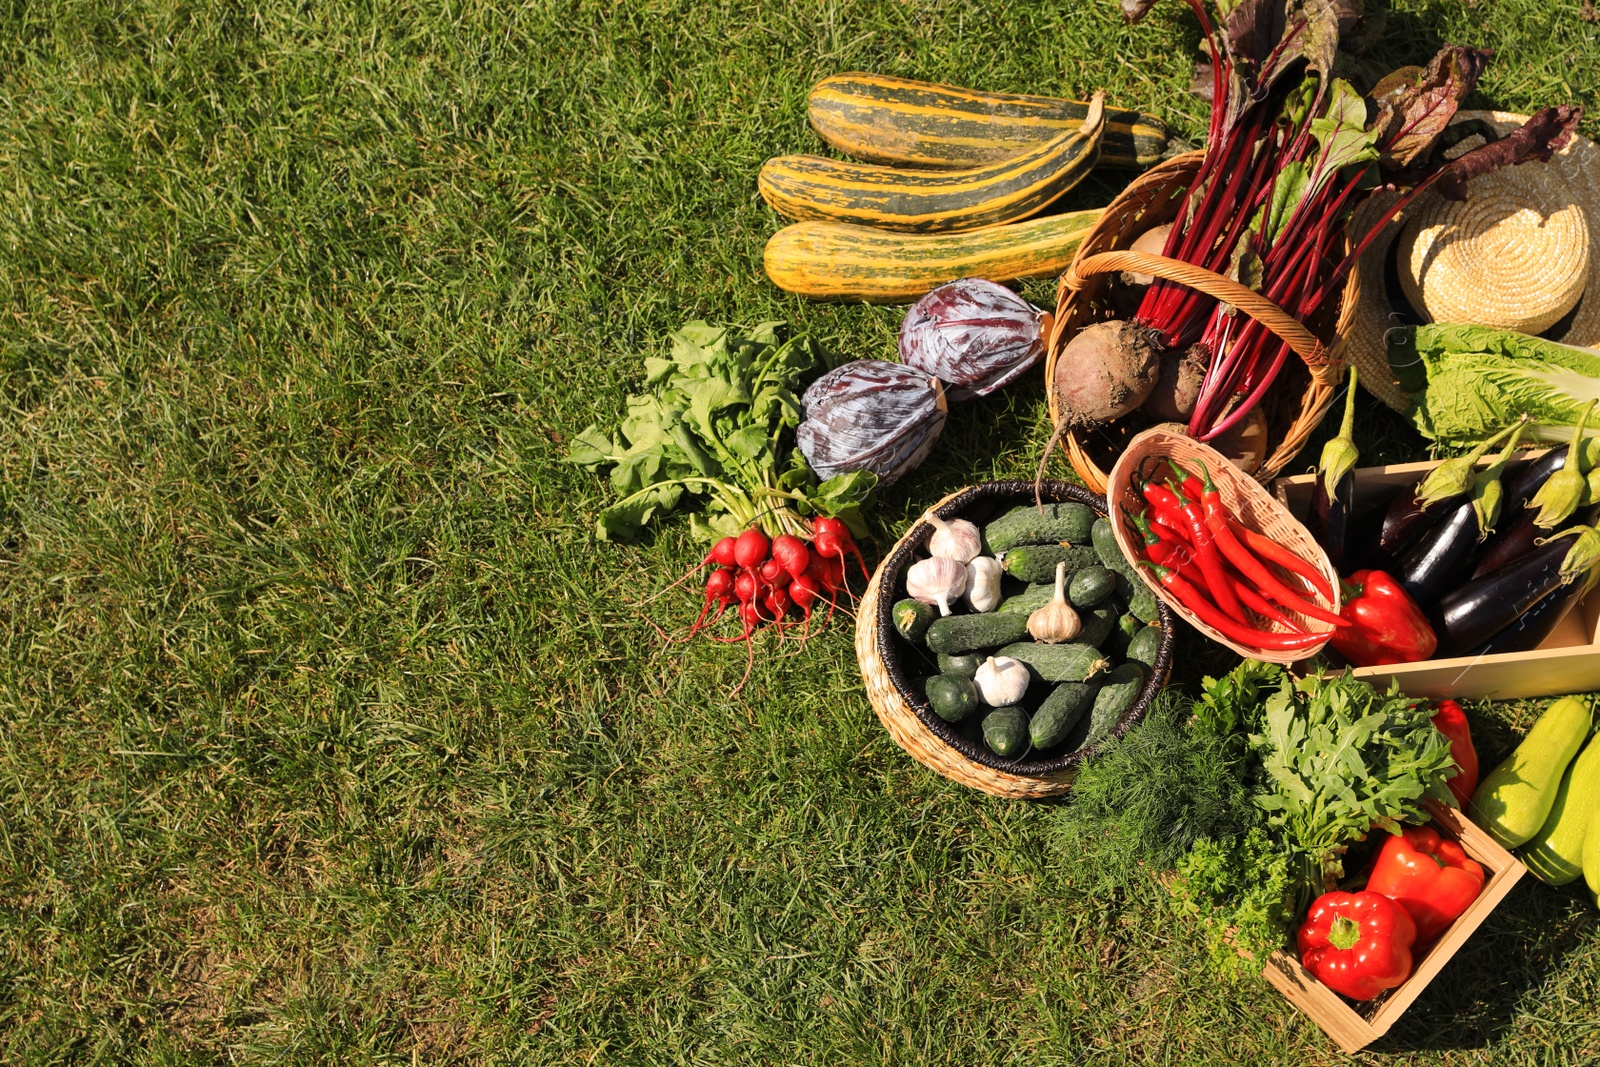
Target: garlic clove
[1001, 680]
[936, 581]
[983, 584]
[1056, 621]
[957, 539]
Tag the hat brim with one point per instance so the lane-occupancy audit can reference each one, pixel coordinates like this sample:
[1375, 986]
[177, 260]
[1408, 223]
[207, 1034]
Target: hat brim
[1382, 305]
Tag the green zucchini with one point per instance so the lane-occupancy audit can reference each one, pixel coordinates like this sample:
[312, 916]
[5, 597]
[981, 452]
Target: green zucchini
[952, 696]
[1058, 663]
[817, 187]
[965, 633]
[1118, 692]
[884, 119]
[1005, 730]
[1061, 711]
[1145, 646]
[1037, 563]
[1091, 587]
[912, 618]
[1068, 523]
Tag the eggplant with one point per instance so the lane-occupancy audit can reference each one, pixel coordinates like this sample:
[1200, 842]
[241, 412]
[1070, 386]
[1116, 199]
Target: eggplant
[1335, 489]
[1415, 514]
[1518, 538]
[1537, 623]
[1480, 609]
[1365, 528]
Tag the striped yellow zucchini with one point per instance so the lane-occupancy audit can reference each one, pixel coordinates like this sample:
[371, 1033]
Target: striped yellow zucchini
[923, 201]
[882, 119]
[838, 261]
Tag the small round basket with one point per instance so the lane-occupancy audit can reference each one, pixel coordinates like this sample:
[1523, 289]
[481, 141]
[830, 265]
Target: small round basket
[891, 666]
[1255, 508]
[1304, 389]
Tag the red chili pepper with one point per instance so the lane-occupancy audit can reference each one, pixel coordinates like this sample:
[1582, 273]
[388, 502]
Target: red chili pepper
[1429, 876]
[1191, 598]
[1276, 553]
[1217, 518]
[1205, 550]
[1265, 608]
[1174, 533]
[1450, 721]
[1358, 944]
[1388, 626]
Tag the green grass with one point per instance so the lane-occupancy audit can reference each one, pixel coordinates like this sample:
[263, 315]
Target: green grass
[327, 733]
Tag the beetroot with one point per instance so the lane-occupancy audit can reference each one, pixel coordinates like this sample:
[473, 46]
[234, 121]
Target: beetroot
[1178, 387]
[972, 334]
[870, 415]
[1105, 372]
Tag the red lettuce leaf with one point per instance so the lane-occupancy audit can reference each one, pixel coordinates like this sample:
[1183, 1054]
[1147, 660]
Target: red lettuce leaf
[1544, 134]
[1415, 105]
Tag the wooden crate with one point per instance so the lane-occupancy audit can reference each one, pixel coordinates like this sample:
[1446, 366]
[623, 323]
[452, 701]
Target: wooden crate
[1354, 1027]
[1567, 662]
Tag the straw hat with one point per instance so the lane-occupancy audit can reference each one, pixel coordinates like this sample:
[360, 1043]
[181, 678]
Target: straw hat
[1521, 253]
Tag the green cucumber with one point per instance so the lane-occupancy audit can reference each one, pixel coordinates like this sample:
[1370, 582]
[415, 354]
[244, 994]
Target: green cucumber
[1143, 605]
[1070, 522]
[1097, 625]
[964, 633]
[912, 618]
[1058, 663]
[1104, 539]
[1144, 647]
[1091, 587]
[1122, 636]
[965, 664]
[1037, 563]
[951, 696]
[1005, 730]
[1120, 690]
[1030, 599]
[1061, 711]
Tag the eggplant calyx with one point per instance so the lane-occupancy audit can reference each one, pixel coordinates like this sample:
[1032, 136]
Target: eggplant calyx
[1584, 554]
[1488, 492]
[1561, 493]
[1340, 454]
[1455, 477]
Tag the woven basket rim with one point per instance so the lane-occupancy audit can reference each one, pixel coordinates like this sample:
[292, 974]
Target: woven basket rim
[891, 573]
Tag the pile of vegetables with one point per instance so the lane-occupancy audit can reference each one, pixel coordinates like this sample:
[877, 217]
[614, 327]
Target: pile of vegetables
[1042, 638]
[1228, 575]
[1291, 152]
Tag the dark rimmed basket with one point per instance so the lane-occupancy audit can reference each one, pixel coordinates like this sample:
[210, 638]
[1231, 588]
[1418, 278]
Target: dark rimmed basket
[891, 676]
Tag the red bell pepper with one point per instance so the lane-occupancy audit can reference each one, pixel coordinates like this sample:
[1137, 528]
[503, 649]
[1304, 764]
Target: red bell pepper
[1450, 721]
[1386, 624]
[1358, 944]
[1429, 876]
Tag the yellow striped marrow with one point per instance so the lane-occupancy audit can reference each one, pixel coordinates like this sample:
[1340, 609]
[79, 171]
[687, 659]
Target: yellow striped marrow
[924, 201]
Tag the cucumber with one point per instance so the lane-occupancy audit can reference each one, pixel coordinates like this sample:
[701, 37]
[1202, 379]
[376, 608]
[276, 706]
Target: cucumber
[1120, 690]
[964, 633]
[1144, 647]
[1122, 635]
[951, 696]
[1104, 539]
[1143, 605]
[1070, 522]
[912, 618]
[965, 664]
[1097, 625]
[1037, 563]
[1061, 711]
[1091, 587]
[1514, 799]
[1005, 730]
[1058, 663]
[1030, 599]
[1555, 855]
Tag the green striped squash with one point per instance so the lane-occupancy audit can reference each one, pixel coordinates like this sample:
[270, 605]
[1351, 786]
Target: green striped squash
[923, 201]
[839, 261]
[881, 119]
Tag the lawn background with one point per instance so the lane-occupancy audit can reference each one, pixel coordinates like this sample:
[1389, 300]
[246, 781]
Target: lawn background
[327, 731]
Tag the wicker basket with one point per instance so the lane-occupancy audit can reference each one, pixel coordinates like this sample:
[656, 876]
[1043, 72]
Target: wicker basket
[1304, 389]
[1255, 507]
[889, 669]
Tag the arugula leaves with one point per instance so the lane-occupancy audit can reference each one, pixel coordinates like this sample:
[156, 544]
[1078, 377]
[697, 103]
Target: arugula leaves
[719, 425]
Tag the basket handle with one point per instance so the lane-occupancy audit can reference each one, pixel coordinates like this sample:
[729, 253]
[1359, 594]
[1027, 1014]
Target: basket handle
[1286, 327]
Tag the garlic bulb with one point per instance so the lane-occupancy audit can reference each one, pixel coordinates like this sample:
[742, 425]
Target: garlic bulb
[983, 584]
[936, 581]
[958, 539]
[1001, 680]
[1056, 621]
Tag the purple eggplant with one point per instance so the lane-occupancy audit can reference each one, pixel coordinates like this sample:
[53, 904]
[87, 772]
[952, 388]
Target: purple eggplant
[1518, 538]
[1480, 609]
[1413, 515]
[1329, 522]
[1537, 623]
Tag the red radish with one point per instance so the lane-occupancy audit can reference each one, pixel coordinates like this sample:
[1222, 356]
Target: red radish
[722, 552]
[751, 548]
[792, 553]
[835, 534]
[804, 591]
[745, 586]
[719, 589]
[773, 573]
[777, 602]
[721, 555]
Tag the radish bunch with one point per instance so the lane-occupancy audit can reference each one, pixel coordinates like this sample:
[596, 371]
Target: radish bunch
[768, 581]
